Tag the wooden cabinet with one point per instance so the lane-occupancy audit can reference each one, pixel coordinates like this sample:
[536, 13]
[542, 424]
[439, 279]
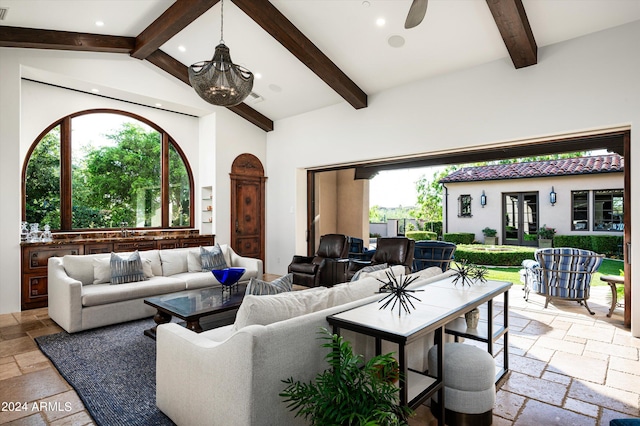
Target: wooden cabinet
[34, 271]
[35, 257]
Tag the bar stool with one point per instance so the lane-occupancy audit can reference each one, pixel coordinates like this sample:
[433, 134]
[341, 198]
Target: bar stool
[469, 385]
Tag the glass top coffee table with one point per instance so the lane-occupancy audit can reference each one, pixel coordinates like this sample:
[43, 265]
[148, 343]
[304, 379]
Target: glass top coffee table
[192, 305]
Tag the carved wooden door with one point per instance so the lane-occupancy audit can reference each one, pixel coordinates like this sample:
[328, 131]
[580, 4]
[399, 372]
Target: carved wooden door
[248, 206]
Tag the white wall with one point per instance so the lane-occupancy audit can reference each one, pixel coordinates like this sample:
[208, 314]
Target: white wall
[587, 83]
[26, 108]
[557, 216]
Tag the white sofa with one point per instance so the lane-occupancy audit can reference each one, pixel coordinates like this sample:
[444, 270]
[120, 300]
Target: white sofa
[76, 303]
[233, 375]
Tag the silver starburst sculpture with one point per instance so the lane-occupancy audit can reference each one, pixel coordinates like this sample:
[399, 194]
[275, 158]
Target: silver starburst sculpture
[398, 293]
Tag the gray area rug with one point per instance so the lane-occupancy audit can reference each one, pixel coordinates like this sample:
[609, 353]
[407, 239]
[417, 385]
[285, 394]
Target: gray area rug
[113, 370]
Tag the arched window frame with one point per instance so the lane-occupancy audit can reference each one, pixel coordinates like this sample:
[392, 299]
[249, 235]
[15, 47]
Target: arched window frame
[66, 218]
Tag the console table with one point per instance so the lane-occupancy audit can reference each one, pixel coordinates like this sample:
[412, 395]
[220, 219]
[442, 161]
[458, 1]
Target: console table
[442, 303]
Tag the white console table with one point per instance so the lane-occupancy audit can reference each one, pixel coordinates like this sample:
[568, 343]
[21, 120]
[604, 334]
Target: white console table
[441, 305]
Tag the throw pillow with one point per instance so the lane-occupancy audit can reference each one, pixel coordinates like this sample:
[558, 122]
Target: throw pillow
[126, 270]
[368, 269]
[102, 270]
[264, 310]
[280, 285]
[212, 259]
[194, 264]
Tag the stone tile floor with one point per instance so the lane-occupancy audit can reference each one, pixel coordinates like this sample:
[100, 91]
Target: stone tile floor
[567, 368]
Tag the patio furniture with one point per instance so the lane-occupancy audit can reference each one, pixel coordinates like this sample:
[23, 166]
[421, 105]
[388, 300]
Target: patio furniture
[561, 273]
[612, 280]
[389, 250]
[469, 384]
[430, 253]
[312, 271]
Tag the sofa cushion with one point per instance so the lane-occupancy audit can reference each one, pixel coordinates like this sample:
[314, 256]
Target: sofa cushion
[212, 259]
[381, 274]
[368, 269]
[174, 261]
[264, 310]
[197, 279]
[126, 269]
[102, 294]
[279, 285]
[427, 273]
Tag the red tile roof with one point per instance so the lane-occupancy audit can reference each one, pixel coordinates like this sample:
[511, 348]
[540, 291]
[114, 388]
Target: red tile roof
[610, 163]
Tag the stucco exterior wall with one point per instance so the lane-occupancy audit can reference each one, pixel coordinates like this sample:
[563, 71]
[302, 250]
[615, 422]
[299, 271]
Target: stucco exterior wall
[556, 216]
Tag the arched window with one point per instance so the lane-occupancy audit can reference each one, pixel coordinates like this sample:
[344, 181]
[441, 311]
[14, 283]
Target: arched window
[102, 169]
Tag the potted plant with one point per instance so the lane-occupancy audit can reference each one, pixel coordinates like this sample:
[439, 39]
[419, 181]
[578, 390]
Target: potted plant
[490, 237]
[351, 391]
[545, 236]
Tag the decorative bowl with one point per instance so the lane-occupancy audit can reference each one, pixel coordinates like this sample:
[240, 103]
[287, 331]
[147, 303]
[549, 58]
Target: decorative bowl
[228, 276]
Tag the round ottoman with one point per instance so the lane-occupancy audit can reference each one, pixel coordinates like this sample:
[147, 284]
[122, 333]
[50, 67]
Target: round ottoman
[469, 384]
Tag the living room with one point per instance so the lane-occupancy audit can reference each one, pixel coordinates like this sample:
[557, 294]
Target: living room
[583, 85]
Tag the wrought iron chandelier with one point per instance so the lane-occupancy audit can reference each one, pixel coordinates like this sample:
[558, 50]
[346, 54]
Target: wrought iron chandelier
[219, 81]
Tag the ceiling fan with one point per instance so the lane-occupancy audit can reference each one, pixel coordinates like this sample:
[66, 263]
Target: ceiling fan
[416, 13]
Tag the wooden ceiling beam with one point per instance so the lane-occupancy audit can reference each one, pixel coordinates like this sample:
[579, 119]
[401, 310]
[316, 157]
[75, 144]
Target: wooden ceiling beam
[180, 71]
[64, 40]
[171, 22]
[515, 30]
[279, 27]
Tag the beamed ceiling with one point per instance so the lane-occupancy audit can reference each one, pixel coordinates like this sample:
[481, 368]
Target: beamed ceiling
[311, 53]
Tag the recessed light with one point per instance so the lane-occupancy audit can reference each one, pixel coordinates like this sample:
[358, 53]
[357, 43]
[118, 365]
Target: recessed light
[99, 24]
[158, 104]
[182, 48]
[380, 22]
[257, 75]
[396, 41]
[95, 90]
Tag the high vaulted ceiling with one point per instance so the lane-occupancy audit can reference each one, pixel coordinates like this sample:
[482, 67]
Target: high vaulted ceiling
[309, 53]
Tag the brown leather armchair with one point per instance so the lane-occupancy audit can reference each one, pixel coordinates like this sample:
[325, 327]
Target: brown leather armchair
[392, 251]
[321, 269]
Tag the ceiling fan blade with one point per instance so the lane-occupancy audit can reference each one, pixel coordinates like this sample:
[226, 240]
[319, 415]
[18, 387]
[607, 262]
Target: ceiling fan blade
[416, 13]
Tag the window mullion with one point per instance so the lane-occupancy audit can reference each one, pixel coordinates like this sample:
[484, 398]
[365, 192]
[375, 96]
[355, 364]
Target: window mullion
[164, 170]
[66, 208]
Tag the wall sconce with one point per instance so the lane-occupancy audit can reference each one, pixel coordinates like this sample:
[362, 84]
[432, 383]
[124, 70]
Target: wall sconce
[552, 196]
[483, 199]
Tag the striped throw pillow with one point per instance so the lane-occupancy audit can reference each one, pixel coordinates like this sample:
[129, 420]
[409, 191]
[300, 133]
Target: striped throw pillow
[126, 270]
[260, 288]
[212, 259]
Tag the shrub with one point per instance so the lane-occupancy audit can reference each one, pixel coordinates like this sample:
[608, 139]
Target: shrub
[459, 238]
[489, 232]
[546, 232]
[433, 227]
[608, 245]
[421, 235]
[498, 256]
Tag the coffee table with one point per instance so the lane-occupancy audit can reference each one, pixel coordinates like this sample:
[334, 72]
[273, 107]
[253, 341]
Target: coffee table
[192, 305]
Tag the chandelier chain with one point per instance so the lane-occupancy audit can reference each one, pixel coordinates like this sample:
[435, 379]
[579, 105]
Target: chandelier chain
[222, 22]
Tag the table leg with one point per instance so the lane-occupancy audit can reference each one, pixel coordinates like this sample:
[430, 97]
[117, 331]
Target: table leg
[159, 318]
[439, 333]
[614, 298]
[194, 326]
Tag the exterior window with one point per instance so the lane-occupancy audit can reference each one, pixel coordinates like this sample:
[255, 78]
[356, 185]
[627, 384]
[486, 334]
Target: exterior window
[464, 205]
[608, 210]
[580, 210]
[100, 170]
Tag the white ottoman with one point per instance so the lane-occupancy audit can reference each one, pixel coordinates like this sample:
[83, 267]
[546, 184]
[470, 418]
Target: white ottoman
[469, 384]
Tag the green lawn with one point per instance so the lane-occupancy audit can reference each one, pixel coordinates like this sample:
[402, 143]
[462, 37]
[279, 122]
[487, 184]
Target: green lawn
[608, 267]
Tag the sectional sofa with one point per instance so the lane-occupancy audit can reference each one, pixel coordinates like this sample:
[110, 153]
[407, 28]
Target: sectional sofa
[81, 296]
[232, 375]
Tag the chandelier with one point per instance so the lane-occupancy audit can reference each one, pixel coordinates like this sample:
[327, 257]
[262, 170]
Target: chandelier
[219, 81]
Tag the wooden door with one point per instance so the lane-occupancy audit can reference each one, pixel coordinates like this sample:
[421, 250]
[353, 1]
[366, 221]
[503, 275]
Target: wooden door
[248, 206]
